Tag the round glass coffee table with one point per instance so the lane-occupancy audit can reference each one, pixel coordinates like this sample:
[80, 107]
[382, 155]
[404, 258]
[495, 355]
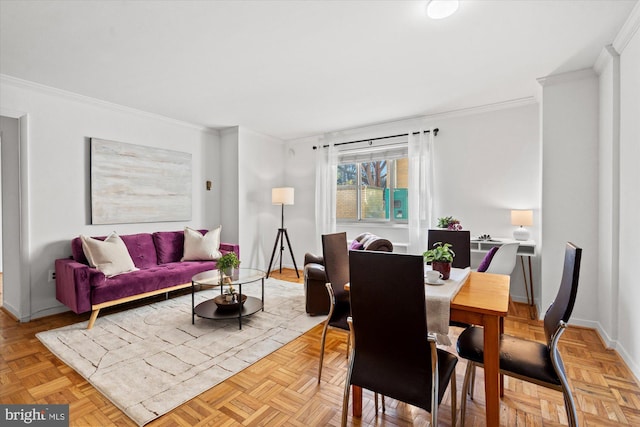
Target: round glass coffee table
[217, 308]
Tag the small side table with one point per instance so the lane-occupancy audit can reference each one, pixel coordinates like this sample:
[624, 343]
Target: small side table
[209, 309]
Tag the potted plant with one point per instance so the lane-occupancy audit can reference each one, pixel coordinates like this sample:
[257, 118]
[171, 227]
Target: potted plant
[440, 257]
[230, 294]
[450, 223]
[227, 262]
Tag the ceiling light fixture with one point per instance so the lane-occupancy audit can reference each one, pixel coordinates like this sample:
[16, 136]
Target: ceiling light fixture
[438, 9]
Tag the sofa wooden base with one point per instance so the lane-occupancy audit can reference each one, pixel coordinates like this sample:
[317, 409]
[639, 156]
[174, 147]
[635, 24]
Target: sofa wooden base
[96, 308]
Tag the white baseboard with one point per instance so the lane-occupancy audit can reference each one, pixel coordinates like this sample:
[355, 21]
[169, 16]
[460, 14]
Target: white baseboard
[611, 344]
[632, 364]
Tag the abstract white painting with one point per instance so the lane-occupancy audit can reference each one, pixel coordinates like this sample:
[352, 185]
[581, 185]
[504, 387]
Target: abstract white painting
[134, 183]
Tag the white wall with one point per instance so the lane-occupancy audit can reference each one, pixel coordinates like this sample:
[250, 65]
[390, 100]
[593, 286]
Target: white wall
[608, 69]
[570, 185]
[9, 134]
[228, 184]
[628, 315]
[261, 167]
[13, 296]
[488, 162]
[60, 125]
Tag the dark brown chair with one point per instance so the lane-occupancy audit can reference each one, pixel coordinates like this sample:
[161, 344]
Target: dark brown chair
[392, 353]
[315, 279]
[336, 265]
[532, 361]
[461, 245]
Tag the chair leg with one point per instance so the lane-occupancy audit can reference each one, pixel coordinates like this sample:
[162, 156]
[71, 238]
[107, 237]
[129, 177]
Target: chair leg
[454, 397]
[345, 396]
[570, 406]
[322, 341]
[375, 398]
[465, 390]
[473, 381]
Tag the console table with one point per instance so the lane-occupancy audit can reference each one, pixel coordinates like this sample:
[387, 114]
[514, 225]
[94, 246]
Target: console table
[526, 249]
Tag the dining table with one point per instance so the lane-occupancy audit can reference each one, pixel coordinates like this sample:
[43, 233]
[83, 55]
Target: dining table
[481, 299]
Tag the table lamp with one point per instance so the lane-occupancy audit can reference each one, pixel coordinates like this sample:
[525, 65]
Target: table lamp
[521, 218]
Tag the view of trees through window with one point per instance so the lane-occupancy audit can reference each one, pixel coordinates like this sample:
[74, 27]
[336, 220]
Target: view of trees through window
[368, 190]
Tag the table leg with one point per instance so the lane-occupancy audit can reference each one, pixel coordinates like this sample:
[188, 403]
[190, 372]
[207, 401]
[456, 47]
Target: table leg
[533, 300]
[492, 369]
[193, 305]
[356, 401]
[501, 375]
[240, 306]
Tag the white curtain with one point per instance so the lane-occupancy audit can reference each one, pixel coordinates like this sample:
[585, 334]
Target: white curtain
[326, 179]
[421, 176]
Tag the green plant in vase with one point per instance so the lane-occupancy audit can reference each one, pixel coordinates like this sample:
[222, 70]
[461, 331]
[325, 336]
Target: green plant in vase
[226, 263]
[440, 257]
[450, 223]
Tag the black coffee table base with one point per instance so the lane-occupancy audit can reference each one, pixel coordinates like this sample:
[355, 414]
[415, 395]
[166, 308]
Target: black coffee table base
[209, 310]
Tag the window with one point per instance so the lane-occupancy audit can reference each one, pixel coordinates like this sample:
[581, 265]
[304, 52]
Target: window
[372, 183]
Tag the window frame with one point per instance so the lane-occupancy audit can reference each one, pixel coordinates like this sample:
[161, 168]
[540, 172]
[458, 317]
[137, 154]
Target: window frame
[391, 186]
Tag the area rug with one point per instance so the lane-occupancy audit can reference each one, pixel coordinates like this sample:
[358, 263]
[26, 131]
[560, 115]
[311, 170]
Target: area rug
[149, 360]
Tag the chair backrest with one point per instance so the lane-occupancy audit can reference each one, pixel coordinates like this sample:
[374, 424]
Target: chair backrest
[391, 351]
[504, 260]
[461, 241]
[562, 306]
[336, 262]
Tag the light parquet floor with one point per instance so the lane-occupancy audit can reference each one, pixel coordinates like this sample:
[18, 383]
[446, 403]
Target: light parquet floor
[281, 389]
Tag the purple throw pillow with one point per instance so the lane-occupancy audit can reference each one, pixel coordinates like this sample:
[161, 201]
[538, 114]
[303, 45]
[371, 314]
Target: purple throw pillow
[355, 245]
[487, 259]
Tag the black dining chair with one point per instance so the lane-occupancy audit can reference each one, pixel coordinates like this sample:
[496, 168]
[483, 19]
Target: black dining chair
[336, 264]
[392, 352]
[532, 361]
[461, 246]
[460, 241]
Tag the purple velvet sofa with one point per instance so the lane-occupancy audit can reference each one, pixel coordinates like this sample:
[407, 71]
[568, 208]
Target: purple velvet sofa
[157, 255]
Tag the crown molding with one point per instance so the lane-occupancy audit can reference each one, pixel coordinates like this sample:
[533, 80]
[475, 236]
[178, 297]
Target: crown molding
[607, 54]
[486, 108]
[569, 76]
[628, 30]
[424, 121]
[48, 90]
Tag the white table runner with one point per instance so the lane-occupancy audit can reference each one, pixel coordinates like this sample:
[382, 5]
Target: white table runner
[439, 302]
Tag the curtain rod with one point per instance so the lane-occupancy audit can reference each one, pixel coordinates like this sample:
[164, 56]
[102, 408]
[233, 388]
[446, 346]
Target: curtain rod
[435, 133]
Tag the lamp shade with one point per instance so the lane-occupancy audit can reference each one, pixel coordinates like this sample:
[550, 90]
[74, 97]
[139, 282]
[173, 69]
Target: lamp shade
[522, 217]
[282, 196]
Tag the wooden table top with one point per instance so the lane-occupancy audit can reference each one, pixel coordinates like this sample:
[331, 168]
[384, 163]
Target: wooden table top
[484, 293]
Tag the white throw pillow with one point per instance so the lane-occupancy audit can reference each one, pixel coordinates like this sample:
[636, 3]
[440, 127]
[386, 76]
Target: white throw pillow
[201, 248]
[110, 256]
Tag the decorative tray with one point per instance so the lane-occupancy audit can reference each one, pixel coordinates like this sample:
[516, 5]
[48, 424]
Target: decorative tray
[224, 305]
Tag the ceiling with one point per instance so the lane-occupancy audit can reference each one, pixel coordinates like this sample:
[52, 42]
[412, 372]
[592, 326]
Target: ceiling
[291, 69]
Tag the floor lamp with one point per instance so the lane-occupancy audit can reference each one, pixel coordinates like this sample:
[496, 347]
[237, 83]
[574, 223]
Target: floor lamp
[282, 196]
